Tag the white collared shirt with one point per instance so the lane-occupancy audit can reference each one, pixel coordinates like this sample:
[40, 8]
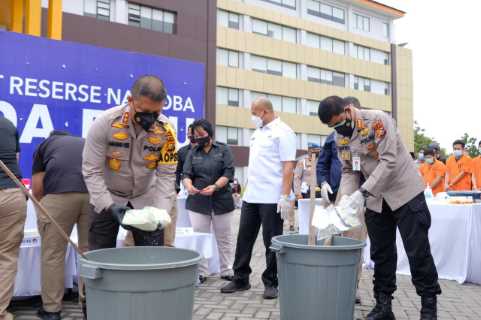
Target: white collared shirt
[270, 145]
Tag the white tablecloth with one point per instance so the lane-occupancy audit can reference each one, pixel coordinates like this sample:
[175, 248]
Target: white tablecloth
[455, 238]
[27, 282]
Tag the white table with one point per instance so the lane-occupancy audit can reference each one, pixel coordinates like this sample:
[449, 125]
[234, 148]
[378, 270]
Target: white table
[27, 282]
[455, 238]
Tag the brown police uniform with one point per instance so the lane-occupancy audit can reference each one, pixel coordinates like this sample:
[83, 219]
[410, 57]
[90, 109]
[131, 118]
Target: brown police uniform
[395, 200]
[126, 167]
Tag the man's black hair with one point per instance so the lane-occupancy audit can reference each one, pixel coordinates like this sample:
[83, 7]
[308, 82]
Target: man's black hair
[354, 101]
[461, 142]
[149, 86]
[58, 133]
[330, 107]
[429, 151]
[204, 124]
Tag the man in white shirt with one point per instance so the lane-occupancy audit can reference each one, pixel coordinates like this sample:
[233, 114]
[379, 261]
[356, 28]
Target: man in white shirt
[271, 163]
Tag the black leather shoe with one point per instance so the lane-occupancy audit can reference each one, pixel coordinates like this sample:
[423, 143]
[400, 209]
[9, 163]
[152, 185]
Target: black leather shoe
[383, 308]
[44, 315]
[234, 286]
[429, 308]
[227, 277]
[270, 293]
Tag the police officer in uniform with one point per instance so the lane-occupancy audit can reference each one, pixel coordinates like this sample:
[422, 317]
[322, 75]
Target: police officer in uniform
[129, 161]
[370, 146]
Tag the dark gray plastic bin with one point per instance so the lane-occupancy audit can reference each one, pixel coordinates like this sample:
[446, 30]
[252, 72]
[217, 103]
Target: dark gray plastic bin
[148, 283]
[317, 282]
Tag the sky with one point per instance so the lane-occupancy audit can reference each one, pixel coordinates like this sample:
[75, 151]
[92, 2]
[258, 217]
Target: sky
[445, 37]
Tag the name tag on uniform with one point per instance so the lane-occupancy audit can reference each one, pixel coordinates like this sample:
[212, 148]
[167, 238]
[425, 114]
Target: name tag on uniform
[356, 162]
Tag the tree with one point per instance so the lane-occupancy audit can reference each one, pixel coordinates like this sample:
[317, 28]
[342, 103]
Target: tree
[421, 141]
[471, 145]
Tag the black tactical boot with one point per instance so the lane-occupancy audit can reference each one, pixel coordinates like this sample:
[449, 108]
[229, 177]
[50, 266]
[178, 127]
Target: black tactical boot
[383, 309]
[428, 308]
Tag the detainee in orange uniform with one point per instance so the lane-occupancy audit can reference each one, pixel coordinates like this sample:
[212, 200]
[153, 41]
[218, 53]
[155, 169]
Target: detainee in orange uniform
[459, 169]
[476, 164]
[433, 171]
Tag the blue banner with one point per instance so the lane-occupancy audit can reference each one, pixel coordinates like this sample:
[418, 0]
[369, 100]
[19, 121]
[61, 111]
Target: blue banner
[47, 84]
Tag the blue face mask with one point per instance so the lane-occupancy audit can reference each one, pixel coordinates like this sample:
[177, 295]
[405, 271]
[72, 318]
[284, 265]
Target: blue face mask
[421, 156]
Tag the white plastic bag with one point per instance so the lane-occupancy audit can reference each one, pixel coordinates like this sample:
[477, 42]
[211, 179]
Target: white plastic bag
[331, 220]
[147, 219]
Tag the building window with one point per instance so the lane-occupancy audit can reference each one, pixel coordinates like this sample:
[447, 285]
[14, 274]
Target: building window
[229, 58]
[298, 141]
[362, 84]
[151, 18]
[312, 107]
[291, 4]
[372, 55]
[363, 23]
[99, 9]
[228, 19]
[279, 103]
[325, 11]
[326, 43]
[380, 87]
[229, 135]
[229, 97]
[385, 28]
[314, 138]
[274, 66]
[274, 30]
[326, 76]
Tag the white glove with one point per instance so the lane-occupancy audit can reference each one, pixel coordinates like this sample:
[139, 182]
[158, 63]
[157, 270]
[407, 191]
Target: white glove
[283, 207]
[357, 200]
[325, 191]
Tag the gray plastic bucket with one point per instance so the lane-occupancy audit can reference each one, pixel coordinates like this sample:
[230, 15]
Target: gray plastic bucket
[317, 282]
[140, 283]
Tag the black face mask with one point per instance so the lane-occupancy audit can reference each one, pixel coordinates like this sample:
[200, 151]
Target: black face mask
[345, 129]
[202, 141]
[146, 119]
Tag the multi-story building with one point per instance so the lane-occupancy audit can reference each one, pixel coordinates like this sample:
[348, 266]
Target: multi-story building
[296, 52]
[299, 51]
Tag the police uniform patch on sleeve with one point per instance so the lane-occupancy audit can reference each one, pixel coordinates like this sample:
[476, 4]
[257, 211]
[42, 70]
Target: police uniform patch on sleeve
[168, 153]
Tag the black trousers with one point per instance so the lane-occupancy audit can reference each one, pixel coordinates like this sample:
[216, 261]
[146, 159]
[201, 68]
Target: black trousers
[104, 229]
[413, 221]
[253, 215]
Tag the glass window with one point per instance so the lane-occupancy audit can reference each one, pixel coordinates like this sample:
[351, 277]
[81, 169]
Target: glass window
[276, 102]
[233, 97]
[221, 134]
[298, 141]
[339, 47]
[289, 70]
[289, 34]
[326, 44]
[274, 66]
[259, 26]
[385, 29]
[103, 10]
[274, 31]
[90, 7]
[221, 96]
[312, 107]
[362, 23]
[234, 20]
[222, 18]
[312, 40]
[222, 57]
[258, 63]
[289, 104]
[291, 4]
[314, 138]
[152, 19]
[338, 79]
[313, 74]
[326, 76]
[325, 11]
[232, 136]
[234, 59]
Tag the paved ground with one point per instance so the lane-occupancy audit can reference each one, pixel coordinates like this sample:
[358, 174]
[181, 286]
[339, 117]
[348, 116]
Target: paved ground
[456, 302]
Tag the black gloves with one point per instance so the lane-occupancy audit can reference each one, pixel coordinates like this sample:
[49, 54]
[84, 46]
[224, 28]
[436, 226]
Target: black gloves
[118, 212]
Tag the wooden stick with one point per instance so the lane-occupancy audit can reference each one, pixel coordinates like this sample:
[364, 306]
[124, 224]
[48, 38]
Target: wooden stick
[311, 240]
[41, 207]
